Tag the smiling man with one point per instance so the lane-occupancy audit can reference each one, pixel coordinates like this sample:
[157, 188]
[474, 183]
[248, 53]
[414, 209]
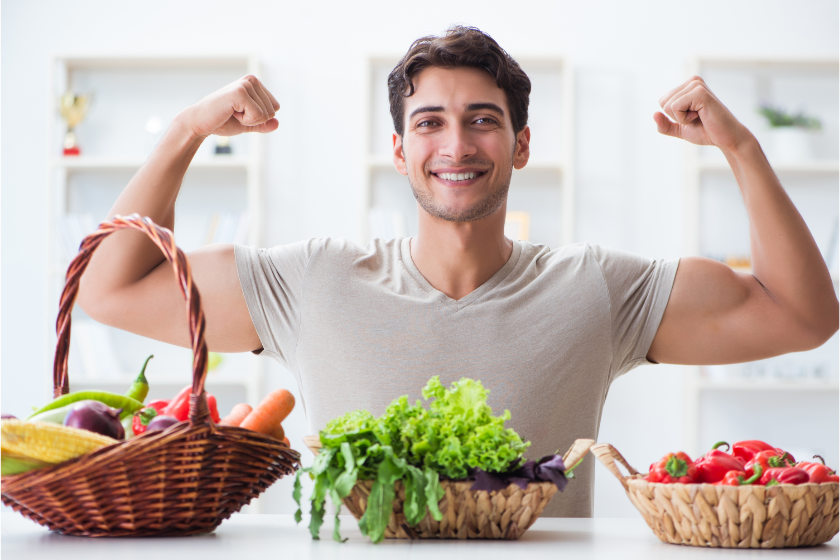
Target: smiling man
[546, 330]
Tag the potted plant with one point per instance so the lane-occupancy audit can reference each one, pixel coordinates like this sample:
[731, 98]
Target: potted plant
[791, 133]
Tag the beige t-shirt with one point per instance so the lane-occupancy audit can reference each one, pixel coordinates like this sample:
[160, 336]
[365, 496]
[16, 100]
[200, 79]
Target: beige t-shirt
[547, 334]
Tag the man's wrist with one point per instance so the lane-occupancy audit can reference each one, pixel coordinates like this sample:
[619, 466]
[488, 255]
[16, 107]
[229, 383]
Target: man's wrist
[746, 148]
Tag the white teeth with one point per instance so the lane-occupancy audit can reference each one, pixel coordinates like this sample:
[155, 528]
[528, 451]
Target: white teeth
[457, 176]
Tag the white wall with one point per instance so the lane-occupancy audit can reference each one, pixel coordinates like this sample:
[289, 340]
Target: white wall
[625, 55]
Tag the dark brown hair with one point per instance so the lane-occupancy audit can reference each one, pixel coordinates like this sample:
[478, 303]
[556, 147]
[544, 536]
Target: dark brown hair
[461, 46]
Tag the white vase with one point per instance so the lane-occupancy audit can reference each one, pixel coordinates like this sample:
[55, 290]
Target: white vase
[791, 144]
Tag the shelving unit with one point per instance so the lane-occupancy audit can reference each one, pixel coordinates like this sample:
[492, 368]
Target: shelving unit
[544, 189]
[715, 222]
[115, 141]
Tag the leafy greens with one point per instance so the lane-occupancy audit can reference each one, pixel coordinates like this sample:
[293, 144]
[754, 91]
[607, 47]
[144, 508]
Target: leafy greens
[454, 436]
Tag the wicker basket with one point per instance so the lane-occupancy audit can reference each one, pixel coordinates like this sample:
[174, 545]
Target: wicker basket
[467, 514]
[182, 481]
[781, 516]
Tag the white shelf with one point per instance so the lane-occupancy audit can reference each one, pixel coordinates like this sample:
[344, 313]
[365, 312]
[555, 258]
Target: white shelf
[817, 166]
[780, 385]
[94, 163]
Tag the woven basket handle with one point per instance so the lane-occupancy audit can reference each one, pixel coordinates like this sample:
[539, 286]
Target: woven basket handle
[579, 448]
[608, 455]
[163, 238]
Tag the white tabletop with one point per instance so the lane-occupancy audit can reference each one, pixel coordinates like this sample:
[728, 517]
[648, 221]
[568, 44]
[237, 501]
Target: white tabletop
[275, 537]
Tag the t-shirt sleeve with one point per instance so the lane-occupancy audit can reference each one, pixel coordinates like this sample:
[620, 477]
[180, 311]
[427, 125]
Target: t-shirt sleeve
[272, 282]
[639, 289]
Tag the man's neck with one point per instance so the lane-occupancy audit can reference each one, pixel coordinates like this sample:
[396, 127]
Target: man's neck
[457, 258]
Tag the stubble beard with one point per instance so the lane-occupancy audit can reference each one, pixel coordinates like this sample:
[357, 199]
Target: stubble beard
[483, 208]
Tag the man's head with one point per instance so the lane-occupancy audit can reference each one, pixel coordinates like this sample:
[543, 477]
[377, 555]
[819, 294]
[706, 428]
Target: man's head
[460, 110]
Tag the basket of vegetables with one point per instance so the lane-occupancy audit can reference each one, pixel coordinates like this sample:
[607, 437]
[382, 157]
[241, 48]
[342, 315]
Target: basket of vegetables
[756, 496]
[174, 478]
[448, 471]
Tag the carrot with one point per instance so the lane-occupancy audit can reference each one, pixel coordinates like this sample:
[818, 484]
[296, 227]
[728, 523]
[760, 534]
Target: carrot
[271, 411]
[237, 415]
[278, 432]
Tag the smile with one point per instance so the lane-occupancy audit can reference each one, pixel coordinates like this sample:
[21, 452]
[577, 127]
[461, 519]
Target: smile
[458, 176]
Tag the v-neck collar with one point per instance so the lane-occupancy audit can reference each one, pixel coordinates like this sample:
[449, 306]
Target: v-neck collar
[458, 304]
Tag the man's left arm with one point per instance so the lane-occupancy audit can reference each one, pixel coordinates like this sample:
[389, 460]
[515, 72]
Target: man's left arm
[714, 314]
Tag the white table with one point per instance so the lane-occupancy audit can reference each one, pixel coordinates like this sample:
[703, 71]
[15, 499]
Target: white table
[275, 537]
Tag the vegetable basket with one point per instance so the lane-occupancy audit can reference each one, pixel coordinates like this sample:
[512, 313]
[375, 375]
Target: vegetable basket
[181, 481]
[467, 514]
[748, 516]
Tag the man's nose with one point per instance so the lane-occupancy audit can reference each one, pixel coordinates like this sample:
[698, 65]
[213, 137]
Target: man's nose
[456, 143]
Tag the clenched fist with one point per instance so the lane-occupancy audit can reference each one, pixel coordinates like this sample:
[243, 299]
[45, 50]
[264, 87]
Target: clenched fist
[243, 106]
[699, 117]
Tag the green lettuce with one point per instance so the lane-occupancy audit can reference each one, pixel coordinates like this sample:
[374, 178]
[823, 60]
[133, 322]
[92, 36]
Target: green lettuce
[417, 445]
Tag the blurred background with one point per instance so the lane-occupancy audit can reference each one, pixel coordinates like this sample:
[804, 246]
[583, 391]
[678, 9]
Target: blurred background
[115, 74]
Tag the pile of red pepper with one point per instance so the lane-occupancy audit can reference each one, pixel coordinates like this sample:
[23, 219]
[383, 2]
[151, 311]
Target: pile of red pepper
[750, 462]
[178, 408]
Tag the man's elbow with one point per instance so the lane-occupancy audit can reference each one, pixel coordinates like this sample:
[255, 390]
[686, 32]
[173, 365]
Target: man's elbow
[822, 326]
[95, 304]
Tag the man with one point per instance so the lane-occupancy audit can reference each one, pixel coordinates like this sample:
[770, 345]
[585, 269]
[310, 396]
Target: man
[546, 331]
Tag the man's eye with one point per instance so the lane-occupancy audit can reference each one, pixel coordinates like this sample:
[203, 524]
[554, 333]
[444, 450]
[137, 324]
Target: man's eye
[426, 124]
[485, 120]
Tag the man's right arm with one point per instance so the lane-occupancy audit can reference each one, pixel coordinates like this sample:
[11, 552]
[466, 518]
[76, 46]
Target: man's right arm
[128, 284]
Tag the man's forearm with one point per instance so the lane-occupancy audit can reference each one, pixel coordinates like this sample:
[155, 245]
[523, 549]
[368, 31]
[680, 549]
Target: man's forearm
[127, 256]
[785, 257]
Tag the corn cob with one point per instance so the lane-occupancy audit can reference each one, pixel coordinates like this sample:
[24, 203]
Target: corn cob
[47, 442]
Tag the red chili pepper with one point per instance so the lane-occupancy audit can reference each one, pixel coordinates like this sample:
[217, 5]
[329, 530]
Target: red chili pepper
[714, 465]
[736, 478]
[817, 472]
[673, 467]
[214, 410]
[784, 475]
[180, 405]
[770, 459]
[140, 420]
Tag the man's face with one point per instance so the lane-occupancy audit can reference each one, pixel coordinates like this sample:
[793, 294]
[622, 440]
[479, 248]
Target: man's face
[459, 148]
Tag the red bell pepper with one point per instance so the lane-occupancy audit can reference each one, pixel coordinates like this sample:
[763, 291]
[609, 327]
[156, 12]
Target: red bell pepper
[179, 407]
[817, 472]
[673, 467]
[769, 459]
[784, 475]
[714, 465]
[736, 478]
[140, 420]
[832, 478]
[746, 450]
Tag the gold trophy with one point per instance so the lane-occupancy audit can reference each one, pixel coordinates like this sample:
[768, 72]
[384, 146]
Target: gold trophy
[73, 109]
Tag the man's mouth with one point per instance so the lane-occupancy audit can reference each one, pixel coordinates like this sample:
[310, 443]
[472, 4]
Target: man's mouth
[459, 176]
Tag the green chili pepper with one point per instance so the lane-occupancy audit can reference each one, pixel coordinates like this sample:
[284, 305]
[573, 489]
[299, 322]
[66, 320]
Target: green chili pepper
[56, 415]
[128, 405]
[140, 388]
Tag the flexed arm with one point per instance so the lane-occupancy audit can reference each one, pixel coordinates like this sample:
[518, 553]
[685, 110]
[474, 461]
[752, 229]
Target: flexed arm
[127, 284]
[716, 315]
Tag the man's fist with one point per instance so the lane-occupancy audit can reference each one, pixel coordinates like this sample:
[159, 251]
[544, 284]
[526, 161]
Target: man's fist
[699, 117]
[243, 106]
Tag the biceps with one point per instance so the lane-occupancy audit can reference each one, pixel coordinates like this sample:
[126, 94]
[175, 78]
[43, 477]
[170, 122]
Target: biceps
[154, 307]
[717, 316]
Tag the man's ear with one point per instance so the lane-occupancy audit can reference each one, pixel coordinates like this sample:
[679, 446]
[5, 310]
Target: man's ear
[399, 156]
[523, 148]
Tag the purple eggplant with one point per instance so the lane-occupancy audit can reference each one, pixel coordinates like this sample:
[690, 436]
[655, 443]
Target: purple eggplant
[161, 422]
[96, 417]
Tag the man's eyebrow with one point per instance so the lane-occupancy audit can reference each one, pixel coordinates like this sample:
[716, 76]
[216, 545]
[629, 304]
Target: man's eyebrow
[429, 109]
[471, 107]
[485, 107]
